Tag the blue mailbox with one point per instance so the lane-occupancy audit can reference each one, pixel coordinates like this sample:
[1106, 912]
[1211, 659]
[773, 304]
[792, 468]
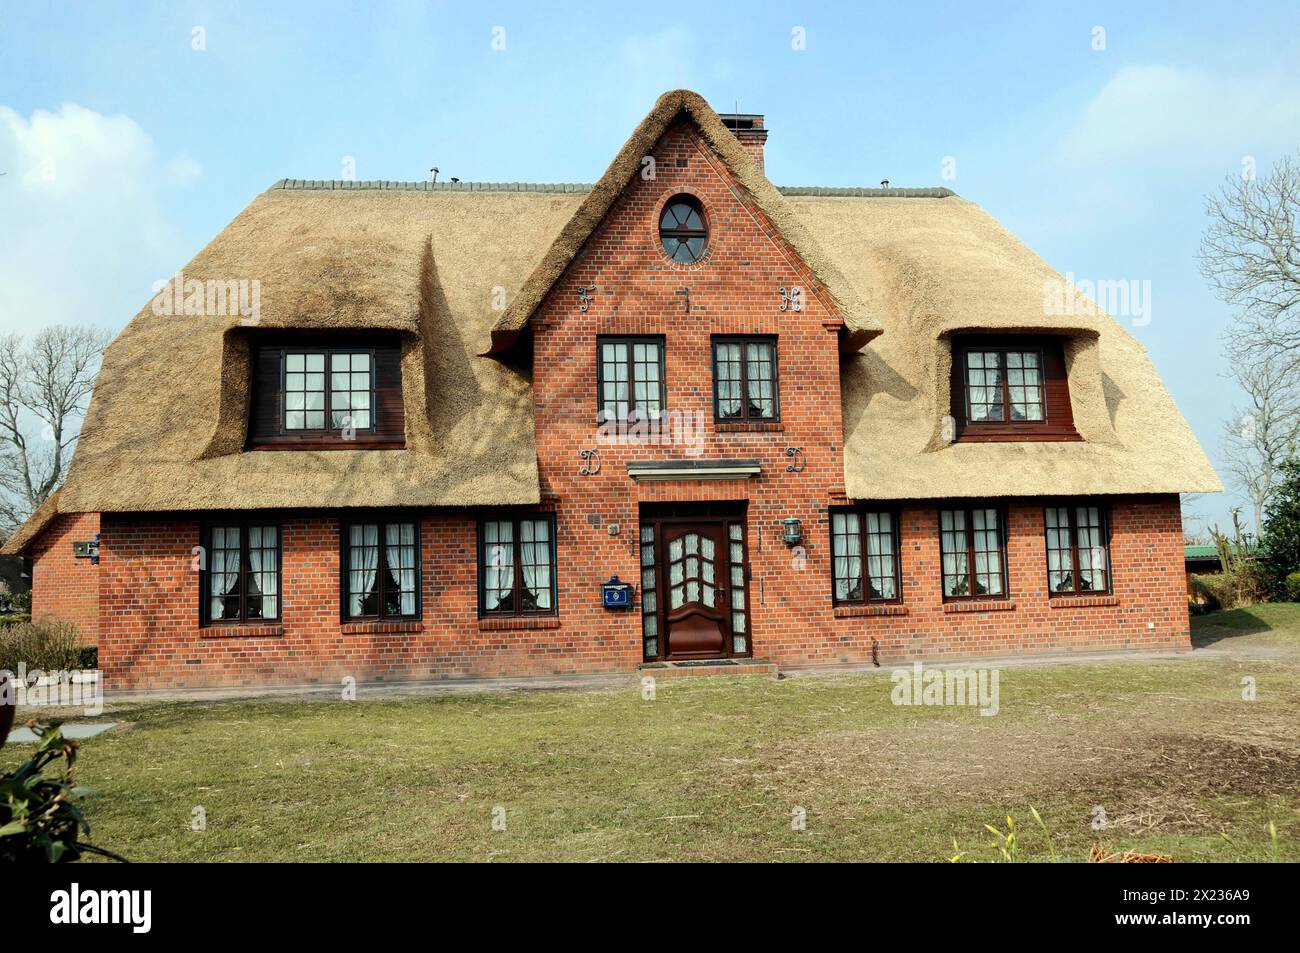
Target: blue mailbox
[615, 594]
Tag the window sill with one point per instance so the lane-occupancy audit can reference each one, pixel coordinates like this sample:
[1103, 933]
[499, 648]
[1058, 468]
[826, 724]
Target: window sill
[757, 426]
[519, 622]
[1072, 602]
[854, 612]
[241, 631]
[373, 627]
[980, 605]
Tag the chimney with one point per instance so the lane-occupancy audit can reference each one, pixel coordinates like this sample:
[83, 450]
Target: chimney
[748, 128]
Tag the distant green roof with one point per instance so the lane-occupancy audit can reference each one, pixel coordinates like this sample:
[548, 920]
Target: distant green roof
[1200, 552]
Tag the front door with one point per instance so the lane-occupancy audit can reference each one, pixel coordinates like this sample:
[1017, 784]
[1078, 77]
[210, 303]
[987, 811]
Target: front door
[695, 578]
[695, 623]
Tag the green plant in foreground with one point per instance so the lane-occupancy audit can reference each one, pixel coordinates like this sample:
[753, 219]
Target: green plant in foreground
[1007, 844]
[39, 817]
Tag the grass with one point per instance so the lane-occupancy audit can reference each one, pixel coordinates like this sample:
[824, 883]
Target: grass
[718, 769]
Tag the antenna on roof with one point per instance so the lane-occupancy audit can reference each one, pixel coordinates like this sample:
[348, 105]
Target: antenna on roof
[434, 173]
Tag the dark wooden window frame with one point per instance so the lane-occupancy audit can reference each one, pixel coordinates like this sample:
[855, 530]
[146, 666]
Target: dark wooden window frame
[515, 518]
[968, 509]
[630, 339]
[685, 233]
[266, 429]
[381, 568]
[329, 353]
[743, 339]
[1103, 515]
[242, 523]
[861, 512]
[1058, 416]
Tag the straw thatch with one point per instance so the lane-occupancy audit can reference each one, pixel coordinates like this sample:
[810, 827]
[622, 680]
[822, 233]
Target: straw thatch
[860, 324]
[932, 267]
[167, 425]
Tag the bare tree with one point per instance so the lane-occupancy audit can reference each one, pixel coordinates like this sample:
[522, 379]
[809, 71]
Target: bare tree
[1250, 254]
[1266, 431]
[45, 385]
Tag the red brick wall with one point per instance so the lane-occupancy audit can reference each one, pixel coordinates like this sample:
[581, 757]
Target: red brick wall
[65, 587]
[150, 600]
[152, 638]
[734, 290]
[150, 596]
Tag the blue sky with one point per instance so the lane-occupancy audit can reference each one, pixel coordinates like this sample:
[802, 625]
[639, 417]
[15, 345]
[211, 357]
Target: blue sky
[127, 148]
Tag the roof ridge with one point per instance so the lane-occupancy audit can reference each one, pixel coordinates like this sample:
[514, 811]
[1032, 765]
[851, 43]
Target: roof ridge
[388, 185]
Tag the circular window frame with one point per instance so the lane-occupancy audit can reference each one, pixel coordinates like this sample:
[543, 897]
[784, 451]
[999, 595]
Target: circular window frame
[700, 209]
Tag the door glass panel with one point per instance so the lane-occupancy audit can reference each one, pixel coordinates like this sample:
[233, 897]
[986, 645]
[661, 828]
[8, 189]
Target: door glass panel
[691, 570]
[649, 595]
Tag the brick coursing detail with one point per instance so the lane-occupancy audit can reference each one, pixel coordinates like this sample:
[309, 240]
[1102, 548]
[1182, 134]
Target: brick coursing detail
[65, 587]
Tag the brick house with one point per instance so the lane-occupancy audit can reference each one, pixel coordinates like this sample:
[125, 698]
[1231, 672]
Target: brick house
[806, 425]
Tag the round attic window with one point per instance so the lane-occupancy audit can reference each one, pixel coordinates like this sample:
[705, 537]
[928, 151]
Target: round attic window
[681, 229]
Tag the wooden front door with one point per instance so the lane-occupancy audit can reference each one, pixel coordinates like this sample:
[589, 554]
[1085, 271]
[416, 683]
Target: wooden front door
[695, 598]
[698, 568]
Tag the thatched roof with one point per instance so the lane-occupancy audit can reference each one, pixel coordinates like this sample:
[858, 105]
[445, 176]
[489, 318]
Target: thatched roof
[937, 266]
[433, 263]
[860, 324]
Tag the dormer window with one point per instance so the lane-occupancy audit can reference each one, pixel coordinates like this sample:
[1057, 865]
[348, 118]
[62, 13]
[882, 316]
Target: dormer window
[336, 392]
[682, 230]
[1010, 388]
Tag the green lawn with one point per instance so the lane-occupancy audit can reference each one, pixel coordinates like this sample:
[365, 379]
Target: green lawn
[714, 769]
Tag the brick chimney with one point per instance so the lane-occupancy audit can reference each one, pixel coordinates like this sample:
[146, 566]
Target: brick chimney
[748, 128]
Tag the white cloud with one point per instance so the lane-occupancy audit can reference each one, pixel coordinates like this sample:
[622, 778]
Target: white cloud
[84, 231]
[1184, 118]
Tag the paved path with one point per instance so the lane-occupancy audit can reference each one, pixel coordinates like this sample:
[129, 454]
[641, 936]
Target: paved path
[387, 691]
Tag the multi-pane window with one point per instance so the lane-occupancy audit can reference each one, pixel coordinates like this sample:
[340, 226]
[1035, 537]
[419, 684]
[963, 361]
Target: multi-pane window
[1077, 556]
[974, 560]
[864, 558]
[745, 379]
[631, 379]
[517, 566]
[242, 573]
[341, 399]
[381, 570]
[682, 230]
[1003, 384]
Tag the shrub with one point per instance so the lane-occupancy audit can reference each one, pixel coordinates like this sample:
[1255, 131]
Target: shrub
[1293, 587]
[48, 646]
[1280, 544]
[40, 817]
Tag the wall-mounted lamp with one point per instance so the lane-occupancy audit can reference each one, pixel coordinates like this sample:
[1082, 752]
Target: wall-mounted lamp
[793, 531]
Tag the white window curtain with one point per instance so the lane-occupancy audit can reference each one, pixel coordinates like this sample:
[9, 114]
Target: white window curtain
[880, 555]
[223, 568]
[499, 564]
[846, 532]
[263, 564]
[535, 560]
[363, 561]
[400, 555]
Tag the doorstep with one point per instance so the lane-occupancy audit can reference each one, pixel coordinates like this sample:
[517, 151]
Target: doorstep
[701, 667]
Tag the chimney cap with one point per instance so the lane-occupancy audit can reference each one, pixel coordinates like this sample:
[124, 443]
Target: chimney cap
[742, 122]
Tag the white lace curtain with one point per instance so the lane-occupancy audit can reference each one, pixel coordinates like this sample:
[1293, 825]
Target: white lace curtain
[399, 540]
[363, 562]
[535, 560]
